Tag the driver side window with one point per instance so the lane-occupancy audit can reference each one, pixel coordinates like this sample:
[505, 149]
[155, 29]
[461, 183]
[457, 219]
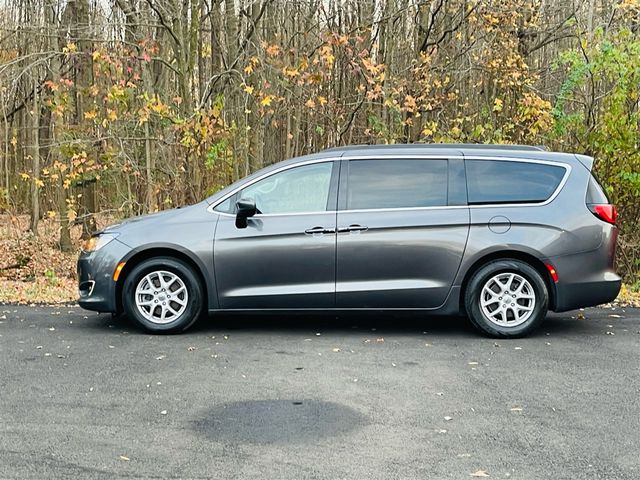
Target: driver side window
[296, 190]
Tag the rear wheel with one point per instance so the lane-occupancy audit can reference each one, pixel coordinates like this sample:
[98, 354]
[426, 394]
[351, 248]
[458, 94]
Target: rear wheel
[506, 298]
[162, 295]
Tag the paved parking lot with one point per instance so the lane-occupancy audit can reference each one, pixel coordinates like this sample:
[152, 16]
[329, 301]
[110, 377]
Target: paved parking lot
[371, 397]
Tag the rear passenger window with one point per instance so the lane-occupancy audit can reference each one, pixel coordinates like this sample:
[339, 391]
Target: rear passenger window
[501, 181]
[396, 184]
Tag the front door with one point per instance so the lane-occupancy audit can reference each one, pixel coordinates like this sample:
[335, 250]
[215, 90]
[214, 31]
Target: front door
[285, 256]
[400, 241]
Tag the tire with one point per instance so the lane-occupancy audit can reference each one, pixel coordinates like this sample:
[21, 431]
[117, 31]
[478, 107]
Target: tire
[172, 310]
[485, 294]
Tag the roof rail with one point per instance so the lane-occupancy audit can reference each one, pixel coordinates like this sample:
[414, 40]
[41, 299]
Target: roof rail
[470, 146]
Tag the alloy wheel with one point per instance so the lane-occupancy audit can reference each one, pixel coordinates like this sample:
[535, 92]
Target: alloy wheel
[161, 297]
[507, 299]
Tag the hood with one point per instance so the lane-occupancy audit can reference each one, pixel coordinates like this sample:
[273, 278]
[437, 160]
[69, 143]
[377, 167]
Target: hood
[146, 219]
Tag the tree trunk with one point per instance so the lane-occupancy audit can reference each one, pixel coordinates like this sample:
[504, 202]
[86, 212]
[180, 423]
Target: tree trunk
[35, 154]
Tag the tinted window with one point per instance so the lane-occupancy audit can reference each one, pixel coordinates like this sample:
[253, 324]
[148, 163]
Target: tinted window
[396, 184]
[297, 190]
[495, 181]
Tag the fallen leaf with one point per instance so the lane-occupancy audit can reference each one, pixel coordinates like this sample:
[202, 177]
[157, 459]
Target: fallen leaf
[479, 473]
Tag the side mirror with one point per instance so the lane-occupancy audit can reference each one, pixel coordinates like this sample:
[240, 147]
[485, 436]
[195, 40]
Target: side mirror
[245, 208]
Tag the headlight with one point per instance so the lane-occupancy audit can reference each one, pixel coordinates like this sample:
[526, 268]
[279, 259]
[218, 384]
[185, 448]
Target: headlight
[97, 242]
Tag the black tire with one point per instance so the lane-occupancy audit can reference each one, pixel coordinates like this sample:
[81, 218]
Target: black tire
[194, 300]
[488, 271]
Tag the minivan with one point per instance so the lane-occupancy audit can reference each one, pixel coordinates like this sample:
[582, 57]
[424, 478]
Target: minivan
[501, 234]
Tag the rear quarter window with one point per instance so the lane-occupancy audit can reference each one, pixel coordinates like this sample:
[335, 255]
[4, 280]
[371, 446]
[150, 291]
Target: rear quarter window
[595, 193]
[507, 181]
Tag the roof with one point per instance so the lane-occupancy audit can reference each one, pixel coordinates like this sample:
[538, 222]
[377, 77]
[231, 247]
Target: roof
[456, 149]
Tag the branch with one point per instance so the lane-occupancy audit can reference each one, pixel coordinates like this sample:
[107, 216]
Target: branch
[232, 68]
[164, 23]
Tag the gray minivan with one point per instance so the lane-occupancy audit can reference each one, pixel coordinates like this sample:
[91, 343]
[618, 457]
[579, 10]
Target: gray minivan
[499, 233]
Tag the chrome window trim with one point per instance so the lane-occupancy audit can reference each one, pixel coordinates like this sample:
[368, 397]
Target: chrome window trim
[556, 192]
[262, 215]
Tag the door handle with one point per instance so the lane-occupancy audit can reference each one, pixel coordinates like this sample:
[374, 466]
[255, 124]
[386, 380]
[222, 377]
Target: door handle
[319, 230]
[353, 228]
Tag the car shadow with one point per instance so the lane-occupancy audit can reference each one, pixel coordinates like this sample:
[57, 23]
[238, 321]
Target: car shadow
[387, 323]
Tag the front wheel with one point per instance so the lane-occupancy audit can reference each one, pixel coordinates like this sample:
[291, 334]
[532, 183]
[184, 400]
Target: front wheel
[162, 295]
[506, 299]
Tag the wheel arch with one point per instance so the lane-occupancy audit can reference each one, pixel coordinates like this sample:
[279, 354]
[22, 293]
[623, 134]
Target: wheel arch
[526, 257]
[138, 255]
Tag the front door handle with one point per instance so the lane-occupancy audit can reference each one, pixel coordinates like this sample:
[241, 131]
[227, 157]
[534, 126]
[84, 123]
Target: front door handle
[319, 230]
[353, 228]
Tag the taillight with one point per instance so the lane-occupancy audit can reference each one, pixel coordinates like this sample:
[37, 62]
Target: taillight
[605, 212]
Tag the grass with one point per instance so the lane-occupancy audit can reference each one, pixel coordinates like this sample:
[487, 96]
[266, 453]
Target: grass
[39, 290]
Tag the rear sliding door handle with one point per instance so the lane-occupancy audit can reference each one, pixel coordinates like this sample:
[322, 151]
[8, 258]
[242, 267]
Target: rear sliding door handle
[353, 228]
[319, 230]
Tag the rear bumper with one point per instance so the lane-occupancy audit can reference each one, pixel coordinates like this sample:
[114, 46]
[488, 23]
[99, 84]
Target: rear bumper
[570, 296]
[588, 278]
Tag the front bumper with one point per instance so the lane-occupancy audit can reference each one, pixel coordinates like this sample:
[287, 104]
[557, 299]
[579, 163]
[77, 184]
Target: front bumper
[96, 288]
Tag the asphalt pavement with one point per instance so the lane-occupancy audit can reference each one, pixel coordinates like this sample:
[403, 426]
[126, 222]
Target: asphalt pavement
[84, 395]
